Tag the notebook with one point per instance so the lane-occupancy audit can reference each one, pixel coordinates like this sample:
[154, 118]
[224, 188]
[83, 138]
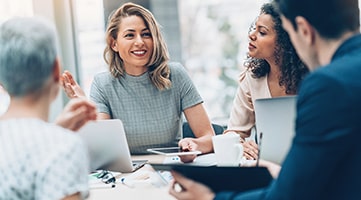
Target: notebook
[108, 147]
[275, 118]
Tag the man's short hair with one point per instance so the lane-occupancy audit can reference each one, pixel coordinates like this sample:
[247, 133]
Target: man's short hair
[28, 50]
[331, 18]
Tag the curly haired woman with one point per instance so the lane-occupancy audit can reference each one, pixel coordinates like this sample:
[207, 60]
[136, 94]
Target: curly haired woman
[272, 69]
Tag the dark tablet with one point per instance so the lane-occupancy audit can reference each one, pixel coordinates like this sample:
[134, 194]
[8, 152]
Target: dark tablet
[222, 178]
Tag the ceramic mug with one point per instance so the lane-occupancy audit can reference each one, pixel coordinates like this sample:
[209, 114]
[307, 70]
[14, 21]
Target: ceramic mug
[228, 149]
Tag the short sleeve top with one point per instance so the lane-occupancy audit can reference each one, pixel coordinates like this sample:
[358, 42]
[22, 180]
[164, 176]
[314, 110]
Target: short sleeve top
[151, 117]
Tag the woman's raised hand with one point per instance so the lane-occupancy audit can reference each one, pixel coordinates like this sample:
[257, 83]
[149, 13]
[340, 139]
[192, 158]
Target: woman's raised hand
[71, 87]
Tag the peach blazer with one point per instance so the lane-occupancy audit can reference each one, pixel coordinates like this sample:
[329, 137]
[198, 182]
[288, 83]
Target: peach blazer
[242, 117]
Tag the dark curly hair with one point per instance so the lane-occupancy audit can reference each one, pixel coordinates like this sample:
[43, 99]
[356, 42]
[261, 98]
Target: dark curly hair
[292, 68]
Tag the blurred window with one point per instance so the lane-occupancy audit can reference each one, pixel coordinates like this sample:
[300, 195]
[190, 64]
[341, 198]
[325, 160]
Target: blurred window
[213, 44]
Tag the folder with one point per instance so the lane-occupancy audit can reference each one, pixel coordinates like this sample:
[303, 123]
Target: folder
[222, 178]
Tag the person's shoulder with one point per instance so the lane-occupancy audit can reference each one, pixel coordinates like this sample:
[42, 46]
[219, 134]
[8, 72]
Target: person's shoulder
[331, 71]
[58, 131]
[246, 75]
[178, 72]
[103, 76]
[176, 67]
[345, 63]
[334, 79]
[37, 128]
[63, 140]
[55, 131]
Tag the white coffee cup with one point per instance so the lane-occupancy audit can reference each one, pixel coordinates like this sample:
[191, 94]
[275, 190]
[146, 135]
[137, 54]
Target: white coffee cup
[228, 149]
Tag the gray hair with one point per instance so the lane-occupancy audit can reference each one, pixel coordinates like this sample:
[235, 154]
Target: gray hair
[28, 49]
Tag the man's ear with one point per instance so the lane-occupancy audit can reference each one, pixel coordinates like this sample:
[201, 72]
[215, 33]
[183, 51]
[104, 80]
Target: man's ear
[306, 30]
[56, 70]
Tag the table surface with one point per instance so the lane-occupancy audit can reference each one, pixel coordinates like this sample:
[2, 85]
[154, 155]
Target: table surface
[146, 184]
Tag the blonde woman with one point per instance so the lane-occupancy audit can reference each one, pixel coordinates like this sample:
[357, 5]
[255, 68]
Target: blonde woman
[143, 89]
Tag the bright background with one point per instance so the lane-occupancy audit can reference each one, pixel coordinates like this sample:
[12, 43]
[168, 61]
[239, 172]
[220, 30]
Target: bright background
[209, 37]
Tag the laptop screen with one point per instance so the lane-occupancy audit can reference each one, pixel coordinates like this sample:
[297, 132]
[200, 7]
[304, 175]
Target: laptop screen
[275, 118]
[107, 143]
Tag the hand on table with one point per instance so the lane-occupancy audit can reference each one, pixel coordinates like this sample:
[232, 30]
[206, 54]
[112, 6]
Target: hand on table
[76, 113]
[250, 150]
[71, 87]
[187, 189]
[187, 144]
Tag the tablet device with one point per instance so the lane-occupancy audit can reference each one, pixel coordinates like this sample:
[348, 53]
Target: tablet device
[172, 151]
[222, 178]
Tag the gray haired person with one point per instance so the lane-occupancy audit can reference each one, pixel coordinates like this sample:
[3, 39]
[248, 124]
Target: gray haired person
[38, 159]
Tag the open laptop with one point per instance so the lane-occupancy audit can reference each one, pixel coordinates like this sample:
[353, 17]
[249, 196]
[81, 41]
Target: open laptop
[275, 119]
[108, 147]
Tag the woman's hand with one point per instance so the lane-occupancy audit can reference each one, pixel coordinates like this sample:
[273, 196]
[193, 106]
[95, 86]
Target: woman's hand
[71, 87]
[188, 144]
[76, 113]
[250, 150]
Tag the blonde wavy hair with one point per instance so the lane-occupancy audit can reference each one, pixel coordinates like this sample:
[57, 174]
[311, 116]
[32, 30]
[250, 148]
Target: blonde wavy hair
[158, 68]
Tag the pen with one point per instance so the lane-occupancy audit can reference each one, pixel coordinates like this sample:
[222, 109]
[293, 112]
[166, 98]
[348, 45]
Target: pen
[131, 183]
[126, 182]
[259, 148]
[101, 186]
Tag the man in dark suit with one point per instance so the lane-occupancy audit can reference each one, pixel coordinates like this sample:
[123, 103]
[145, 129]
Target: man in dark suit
[324, 161]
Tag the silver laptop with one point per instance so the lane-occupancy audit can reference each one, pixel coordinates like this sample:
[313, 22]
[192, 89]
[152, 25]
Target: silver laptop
[108, 147]
[275, 119]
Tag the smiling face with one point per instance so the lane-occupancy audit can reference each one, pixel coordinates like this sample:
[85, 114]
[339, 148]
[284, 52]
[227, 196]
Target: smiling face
[134, 44]
[262, 38]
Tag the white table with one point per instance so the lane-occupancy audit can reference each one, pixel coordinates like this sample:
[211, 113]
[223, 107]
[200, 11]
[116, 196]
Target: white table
[141, 188]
